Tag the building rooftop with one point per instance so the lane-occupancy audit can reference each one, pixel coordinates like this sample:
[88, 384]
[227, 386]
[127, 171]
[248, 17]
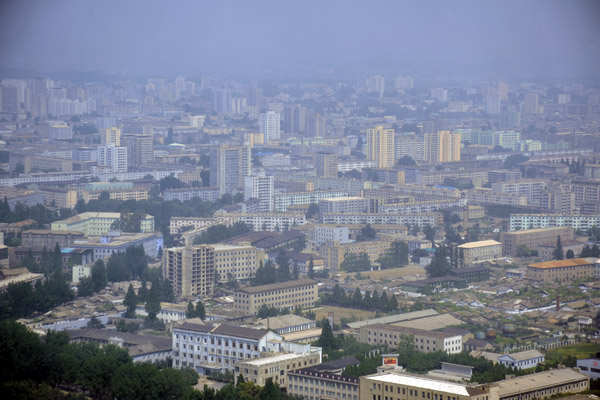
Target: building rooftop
[527, 383]
[283, 321]
[394, 318]
[412, 331]
[523, 355]
[227, 330]
[324, 375]
[50, 232]
[481, 243]
[259, 362]
[425, 383]
[277, 286]
[574, 262]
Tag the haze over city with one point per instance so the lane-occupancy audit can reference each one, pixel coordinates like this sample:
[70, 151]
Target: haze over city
[309, 200]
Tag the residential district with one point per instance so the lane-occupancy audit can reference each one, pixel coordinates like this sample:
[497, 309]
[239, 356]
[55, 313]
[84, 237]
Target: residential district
[370, 240]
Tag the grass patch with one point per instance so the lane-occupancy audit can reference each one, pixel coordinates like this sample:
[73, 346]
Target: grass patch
[580, 350]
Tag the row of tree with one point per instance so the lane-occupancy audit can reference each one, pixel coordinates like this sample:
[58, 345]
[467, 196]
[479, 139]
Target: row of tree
[267, 273]
[35, 368]
[217, 233]
[369, 301]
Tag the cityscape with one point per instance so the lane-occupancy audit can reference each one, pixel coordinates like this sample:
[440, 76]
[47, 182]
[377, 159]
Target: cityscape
[275, 201]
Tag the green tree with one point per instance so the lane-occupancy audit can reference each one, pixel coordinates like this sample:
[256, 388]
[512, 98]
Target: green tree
[283, 262]
[191, 312]
[99, 275]
[130, 302]
[558, 253]
[153, 302]
[200, 311]
[86, 287]
[570, 254]
[169, 139]
[439, 266]
[95, 323]
[327, 340]
[429, 232]
[313, 209]
[311, 268]
[368, 233]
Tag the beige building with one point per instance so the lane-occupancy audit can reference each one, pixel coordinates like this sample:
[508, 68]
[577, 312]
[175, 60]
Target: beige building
[424, 340]
[299, 293]
[380, 146]
[37, 239]
[275, 367]
[136, 194]
[333, 253]
[59, 197]
[442, 146]
[236, 262]
[111, 135]
[311, 384]
[391, 385]
[191, 270]
[562, 270]
[96, 223]
[483, 250]
[534, 237]
[543, 385]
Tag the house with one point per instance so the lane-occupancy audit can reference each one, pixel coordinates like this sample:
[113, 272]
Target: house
[521, 360]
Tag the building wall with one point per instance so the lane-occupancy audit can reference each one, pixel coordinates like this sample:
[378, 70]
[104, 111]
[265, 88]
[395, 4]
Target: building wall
[277, 369]
[533, 238]
[191, 270]
[314, 385]
[301, 293]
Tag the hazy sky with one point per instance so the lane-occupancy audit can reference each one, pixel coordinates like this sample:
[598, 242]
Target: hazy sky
[252, 38]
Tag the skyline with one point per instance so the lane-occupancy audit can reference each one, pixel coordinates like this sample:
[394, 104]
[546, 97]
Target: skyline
[258, 40]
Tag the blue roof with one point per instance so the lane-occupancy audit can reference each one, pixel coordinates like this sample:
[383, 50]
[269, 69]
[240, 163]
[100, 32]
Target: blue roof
[67, 250]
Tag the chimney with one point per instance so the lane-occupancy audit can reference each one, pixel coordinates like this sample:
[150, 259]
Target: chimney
[558, 302]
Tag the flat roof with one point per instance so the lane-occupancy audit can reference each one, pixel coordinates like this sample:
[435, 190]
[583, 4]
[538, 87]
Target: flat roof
[414, 331]
[481, 243]
[537, 230]
[574, 262]
[277, 286]
[425, 383]
[395, 318]
[258, 362]
[538, 381]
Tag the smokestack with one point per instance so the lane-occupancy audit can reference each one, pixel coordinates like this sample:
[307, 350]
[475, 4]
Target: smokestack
[558, 303]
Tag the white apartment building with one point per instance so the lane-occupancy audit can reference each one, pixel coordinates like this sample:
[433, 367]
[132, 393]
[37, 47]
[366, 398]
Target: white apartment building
[359, 165]
[327, 233]
[271, 222]
[113, 156]
[261, 188]
[284, 200]
[379, 218]
[61, 132]
[270, 125]
[184, 194]
[343, 205]
[236, 262]
[520, 222]
[533, 190]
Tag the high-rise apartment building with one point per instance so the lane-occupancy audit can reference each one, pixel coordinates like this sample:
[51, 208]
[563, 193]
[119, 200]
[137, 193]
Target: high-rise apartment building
[503, 91]
[326, 164]
[113, 156]
[190, 269]
[61, 132]
[316, 125]
[440, 94]
[532, 103]
[380, 146]
[294, 119]
[442, 146]
[492, 104]
[229, 165]
[376, 83]
[261, 188]
[140, 149]
[111, 135]
[222, 101]
[270, 125]
[410, 145]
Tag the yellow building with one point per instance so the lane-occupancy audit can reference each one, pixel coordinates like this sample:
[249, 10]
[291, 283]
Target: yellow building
[562, 270]
[236, 262]
[333, 253]
[275, 366]
[480, 251]
[111, 135]
[442, 146]
[96, 223]
[117, 194]
[60, 198]
[380, 146]
[299, 293]
[190, 269]
[254, 138]
[391, 385]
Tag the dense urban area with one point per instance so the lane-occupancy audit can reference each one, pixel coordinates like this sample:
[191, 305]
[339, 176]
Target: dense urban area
[386, 237]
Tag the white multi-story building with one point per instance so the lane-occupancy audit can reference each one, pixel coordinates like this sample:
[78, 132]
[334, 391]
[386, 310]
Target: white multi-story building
[261, 188]
[61, 132]
[113, 156]
[359, 165]
[343, 205]
[271, 222]
[520, 222]
[270, 125]
[284, 200]
[328, 233]
[377, 218]
[184, 194]
[534, 190]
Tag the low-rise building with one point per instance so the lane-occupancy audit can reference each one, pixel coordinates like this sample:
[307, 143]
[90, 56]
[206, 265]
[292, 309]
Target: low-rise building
[543, 385]
[393, 385]
[118, 242]
[562, 270]
[522, 359]
[97, 223]
[283, 200]
[288, 323]
[313, 384]
[284, 295]
[37, 239]
[532, 238]
[275, 367]
[423, 340]
[334, 253]
[590, 366]
[483, 250]
[533, 221]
